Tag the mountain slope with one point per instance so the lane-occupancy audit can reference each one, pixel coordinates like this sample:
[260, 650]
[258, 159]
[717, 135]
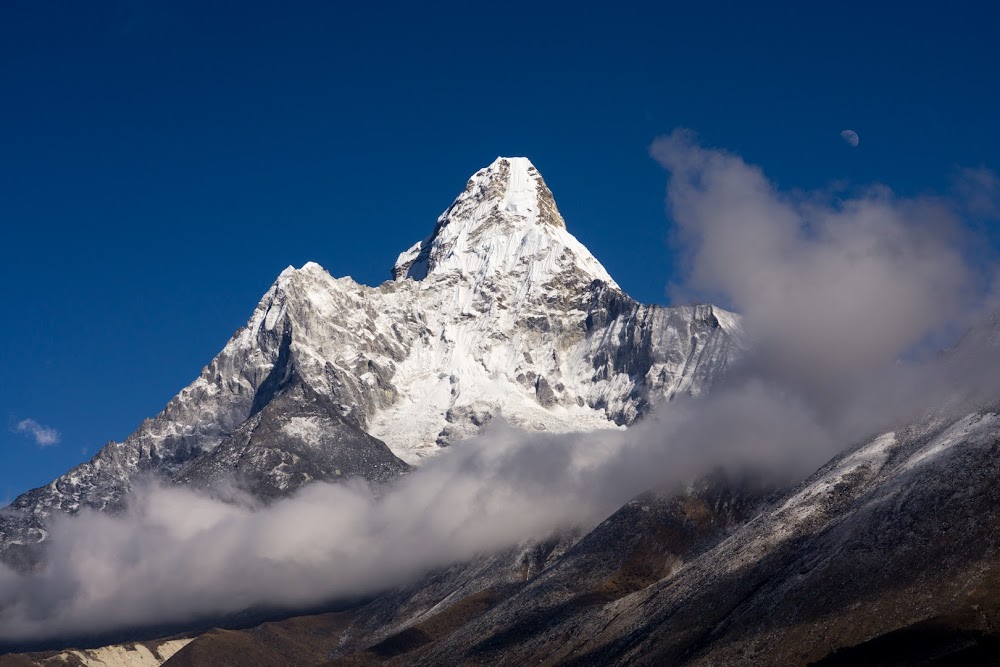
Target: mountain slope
[892, 542]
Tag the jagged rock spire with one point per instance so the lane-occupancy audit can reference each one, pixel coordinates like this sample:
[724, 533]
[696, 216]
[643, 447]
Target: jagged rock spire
[504, 221]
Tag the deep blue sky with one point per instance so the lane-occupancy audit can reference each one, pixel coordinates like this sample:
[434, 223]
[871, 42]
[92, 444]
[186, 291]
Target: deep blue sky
[163, 160]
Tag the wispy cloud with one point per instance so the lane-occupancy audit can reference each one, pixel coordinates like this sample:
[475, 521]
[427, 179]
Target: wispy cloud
[979, 190]
[44, 436]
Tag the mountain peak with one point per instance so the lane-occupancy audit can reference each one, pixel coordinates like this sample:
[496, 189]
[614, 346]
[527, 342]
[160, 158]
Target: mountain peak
[505, 222]
[513, 185]
[307, 268]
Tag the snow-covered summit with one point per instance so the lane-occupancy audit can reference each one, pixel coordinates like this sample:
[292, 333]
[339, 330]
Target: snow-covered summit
[506, 222]
[501, 311]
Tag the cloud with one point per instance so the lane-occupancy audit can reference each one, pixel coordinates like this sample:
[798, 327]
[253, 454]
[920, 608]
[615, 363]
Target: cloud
[44, 436]
[176, 555]
[979, 191]
[831, 289]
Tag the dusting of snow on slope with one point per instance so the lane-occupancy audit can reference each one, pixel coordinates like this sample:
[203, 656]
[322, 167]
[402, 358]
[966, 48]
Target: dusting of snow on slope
[849, 487]
[957, 433]
[808, 506]
[809, 500]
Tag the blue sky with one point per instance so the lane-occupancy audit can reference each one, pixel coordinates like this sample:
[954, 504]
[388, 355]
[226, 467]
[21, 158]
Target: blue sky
[162, 161]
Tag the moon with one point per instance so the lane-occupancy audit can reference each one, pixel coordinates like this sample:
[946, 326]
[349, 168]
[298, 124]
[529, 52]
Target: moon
[851, 137]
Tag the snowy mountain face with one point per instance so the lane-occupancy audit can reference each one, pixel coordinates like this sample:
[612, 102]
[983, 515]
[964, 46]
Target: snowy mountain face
[522, 319]
[500, 311]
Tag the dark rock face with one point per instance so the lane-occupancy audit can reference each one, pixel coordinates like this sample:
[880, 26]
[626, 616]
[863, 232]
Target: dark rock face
[299, 436]
[544, 392]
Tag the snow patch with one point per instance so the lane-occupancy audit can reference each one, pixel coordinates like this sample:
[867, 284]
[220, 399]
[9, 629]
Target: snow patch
[307, 429]
[123, 655]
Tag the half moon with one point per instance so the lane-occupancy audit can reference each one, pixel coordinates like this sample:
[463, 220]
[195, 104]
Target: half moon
[851, 137]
